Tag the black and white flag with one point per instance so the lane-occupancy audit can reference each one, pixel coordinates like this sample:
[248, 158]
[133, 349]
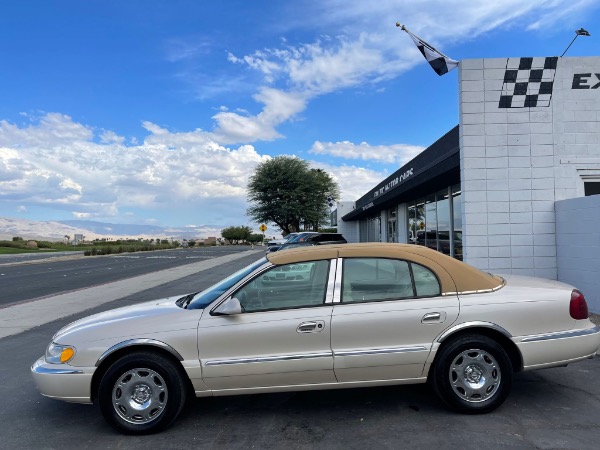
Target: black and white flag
[436, 59]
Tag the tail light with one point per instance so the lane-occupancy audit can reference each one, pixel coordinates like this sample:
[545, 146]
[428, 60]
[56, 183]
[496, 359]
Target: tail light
[578, 307]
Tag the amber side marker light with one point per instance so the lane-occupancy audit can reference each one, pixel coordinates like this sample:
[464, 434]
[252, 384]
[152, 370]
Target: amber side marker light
[578, 307]
[66, 354]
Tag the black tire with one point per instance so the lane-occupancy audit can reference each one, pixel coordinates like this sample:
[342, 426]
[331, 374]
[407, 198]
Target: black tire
[142, 393]
[472, 374]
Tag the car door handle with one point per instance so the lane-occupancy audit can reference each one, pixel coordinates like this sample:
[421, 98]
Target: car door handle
[434, 317]
[311, 327]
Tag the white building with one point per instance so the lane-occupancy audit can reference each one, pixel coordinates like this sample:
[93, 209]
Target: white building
[508, 183]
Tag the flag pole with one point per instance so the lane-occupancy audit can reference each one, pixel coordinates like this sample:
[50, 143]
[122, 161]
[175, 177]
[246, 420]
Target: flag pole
[403, 28]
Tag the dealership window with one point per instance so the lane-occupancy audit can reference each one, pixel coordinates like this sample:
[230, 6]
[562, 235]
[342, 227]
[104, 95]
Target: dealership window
[433, 219]
[591, 188]
[457, 221]
[392, 225]
[370, 229]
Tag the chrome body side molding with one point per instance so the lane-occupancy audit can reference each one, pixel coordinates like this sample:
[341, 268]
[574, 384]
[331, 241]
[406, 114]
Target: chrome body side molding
[465, 325]
[38, 368]
[562, 335]
[222, 362]
[133, 342]
[381, 351]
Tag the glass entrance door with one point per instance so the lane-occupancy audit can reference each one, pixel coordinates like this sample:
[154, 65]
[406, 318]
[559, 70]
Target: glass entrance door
[392, 226]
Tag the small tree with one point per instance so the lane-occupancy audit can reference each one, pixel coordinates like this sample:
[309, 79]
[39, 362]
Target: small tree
[286, 191]
[235, 235]
[255, 238]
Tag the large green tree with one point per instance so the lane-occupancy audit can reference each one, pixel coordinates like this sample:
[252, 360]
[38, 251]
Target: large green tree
[286, 191]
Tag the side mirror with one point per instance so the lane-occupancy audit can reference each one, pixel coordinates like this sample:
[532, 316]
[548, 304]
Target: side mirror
[229, 307]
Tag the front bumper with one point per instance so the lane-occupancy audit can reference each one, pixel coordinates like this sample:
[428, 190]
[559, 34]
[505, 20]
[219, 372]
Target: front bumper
[63, 382]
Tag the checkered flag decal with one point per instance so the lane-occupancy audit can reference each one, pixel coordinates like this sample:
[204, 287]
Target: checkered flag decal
[528, 82]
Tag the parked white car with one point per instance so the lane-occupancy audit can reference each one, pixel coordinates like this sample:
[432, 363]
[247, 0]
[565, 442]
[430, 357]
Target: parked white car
[321, 317]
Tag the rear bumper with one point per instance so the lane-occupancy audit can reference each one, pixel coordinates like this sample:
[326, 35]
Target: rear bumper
[558, 349]
[63, 382]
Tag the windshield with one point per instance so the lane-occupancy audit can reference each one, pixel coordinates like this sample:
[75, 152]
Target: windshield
[207, 296]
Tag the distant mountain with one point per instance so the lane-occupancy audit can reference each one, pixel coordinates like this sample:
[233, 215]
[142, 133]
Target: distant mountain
[113, 228]
[57, 230]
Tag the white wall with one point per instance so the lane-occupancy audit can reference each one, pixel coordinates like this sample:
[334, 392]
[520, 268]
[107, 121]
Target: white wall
[578, 246]
[516, 162]
[348, 229]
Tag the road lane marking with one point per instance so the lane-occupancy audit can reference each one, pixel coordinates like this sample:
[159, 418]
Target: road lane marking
[25, 316]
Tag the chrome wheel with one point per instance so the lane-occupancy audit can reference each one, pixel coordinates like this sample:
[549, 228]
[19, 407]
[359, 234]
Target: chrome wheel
[475, 375]
[140, 396]
[472, 374]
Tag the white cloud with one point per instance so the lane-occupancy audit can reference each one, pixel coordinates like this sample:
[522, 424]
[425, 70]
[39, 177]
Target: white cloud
[58, 164]
[109, 137]
[184, 49]
[354, 57]
[398, 154]
[81, 215]
[354, 181]
[279, 106]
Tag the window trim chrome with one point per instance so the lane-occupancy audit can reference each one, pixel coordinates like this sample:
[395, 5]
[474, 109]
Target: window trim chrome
[337, 294]
[331, 281]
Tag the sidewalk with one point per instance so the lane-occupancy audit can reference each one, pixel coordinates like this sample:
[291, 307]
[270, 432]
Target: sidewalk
[24, 316]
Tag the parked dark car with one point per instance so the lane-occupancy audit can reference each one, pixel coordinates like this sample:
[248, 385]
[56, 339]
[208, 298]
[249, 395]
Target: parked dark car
[315, 239]
[283, 240]
[299, 237]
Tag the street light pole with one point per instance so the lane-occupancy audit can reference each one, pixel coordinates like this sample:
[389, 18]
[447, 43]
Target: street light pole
[580, 32]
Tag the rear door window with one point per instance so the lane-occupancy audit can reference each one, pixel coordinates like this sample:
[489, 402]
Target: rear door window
[378, 279]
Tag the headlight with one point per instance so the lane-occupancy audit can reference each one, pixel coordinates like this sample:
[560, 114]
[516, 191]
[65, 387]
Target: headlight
[59, 354]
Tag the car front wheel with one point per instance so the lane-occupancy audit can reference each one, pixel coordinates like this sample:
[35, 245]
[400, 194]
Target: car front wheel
[472, 374]
[142, 393]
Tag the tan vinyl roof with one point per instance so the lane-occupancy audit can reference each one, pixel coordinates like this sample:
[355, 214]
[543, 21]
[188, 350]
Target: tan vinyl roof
[454, 275]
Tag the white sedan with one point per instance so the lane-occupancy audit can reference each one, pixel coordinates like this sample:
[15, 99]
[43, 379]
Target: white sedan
[321, 317]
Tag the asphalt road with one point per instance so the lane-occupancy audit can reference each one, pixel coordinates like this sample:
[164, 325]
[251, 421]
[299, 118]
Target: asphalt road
[548, 409]
[28, 278]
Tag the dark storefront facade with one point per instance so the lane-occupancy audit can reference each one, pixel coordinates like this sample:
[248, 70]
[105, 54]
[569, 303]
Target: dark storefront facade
[420, 203]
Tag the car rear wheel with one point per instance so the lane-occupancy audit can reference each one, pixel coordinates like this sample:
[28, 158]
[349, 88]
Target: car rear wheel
[472, 374]
[142, 393]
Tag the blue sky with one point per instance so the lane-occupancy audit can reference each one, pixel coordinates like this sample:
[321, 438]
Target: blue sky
[156, 112]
